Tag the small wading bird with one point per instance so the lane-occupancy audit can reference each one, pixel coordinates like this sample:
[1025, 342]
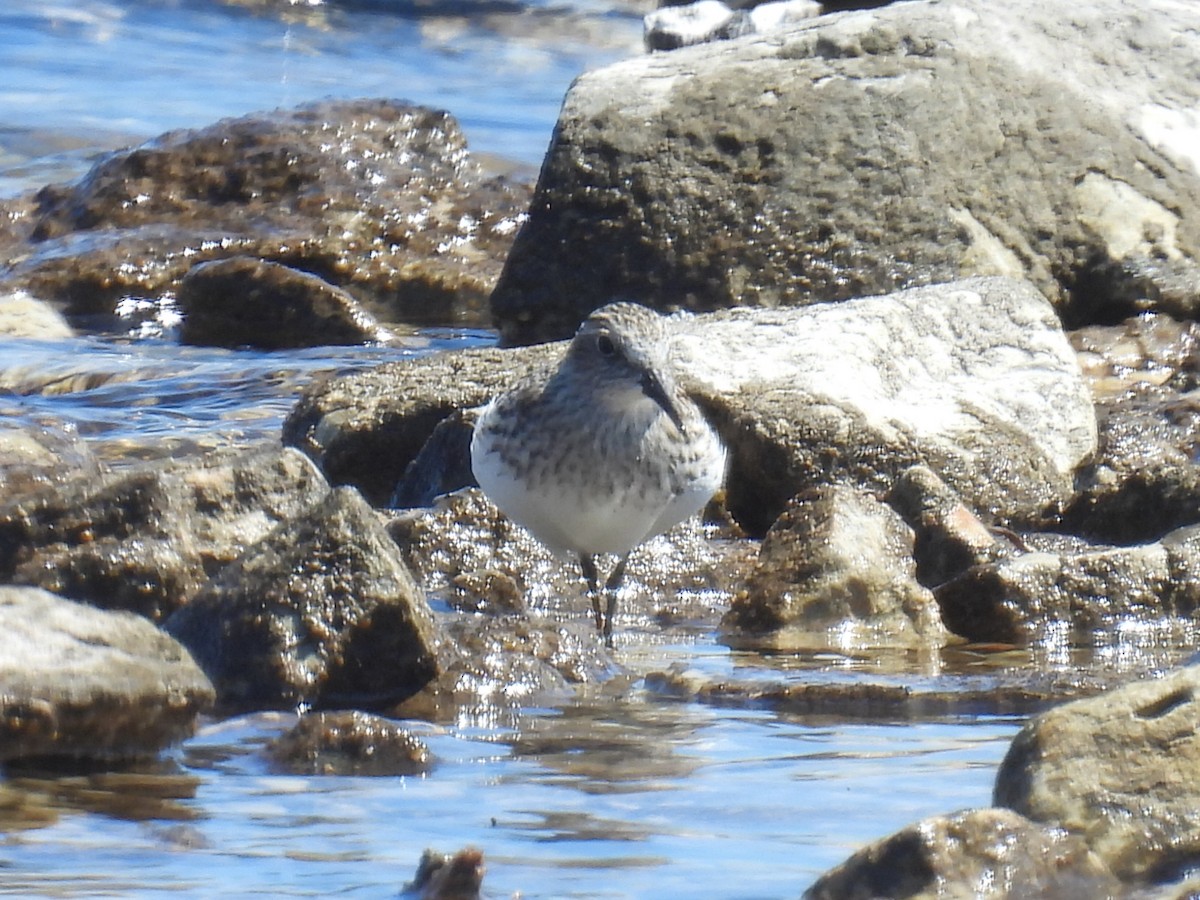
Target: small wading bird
[603, 453]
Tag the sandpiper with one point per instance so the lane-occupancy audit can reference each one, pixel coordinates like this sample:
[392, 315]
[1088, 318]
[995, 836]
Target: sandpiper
[604, 452]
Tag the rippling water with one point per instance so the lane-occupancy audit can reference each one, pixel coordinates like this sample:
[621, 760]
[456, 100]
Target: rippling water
[614, 795]
[603, 798]
[79, 77]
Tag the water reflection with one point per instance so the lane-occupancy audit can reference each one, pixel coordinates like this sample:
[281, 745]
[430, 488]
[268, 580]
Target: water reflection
[36, 794]
[713, 803]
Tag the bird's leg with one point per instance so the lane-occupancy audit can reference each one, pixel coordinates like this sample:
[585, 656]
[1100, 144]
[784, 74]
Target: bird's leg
[588, 564]
[611, 586]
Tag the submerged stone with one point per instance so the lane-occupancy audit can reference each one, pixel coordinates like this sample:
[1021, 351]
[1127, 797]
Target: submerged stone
[349, 743]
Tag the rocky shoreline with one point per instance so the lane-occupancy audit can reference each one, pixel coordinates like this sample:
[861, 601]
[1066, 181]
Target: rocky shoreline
[872, 283]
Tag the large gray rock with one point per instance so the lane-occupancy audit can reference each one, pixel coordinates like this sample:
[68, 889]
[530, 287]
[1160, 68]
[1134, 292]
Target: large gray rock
[1119, 769]
[147, 538]
[83, 682]
[980, 853]
[975, 379]
[872, 150]
[322, 612]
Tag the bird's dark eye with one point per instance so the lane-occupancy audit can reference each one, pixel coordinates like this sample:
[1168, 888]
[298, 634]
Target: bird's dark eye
[605, 345]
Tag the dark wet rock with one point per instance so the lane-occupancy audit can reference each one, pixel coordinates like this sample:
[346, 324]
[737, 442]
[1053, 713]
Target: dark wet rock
[1145, 478]
[883, 698]
[697, 179]
[349, 743]
[949, 537]
[508, 662]
[86, 683]
[982, 853]
[442, 876]
[442, 466]
[246, 302]
[23, 316]
[374, 196]
[974, 378]
[835, 570]
[365, 428]
[321, 612]
[146, 539]
[37, 456]
[1076, 594]
[1118, 769]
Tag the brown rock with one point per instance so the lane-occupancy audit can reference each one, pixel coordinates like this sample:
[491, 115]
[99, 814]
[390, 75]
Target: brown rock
[1074, 594]
[377, 197]
[836, 570]
[1118, 769]
[349, 743]
[147, 538]
[321, 612]
[246, 302]
[981, 853]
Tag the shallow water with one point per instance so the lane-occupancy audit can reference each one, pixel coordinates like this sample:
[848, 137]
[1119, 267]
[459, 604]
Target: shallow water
[615, 794]
[632, 798]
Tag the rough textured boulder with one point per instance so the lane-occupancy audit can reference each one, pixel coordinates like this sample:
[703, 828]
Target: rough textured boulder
[975, 379]
[147, 538]
[322, 612]
[873, 150]
[375, 196]
[1118, 769]
[982, 853]
[836, 570]
[83, 682]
